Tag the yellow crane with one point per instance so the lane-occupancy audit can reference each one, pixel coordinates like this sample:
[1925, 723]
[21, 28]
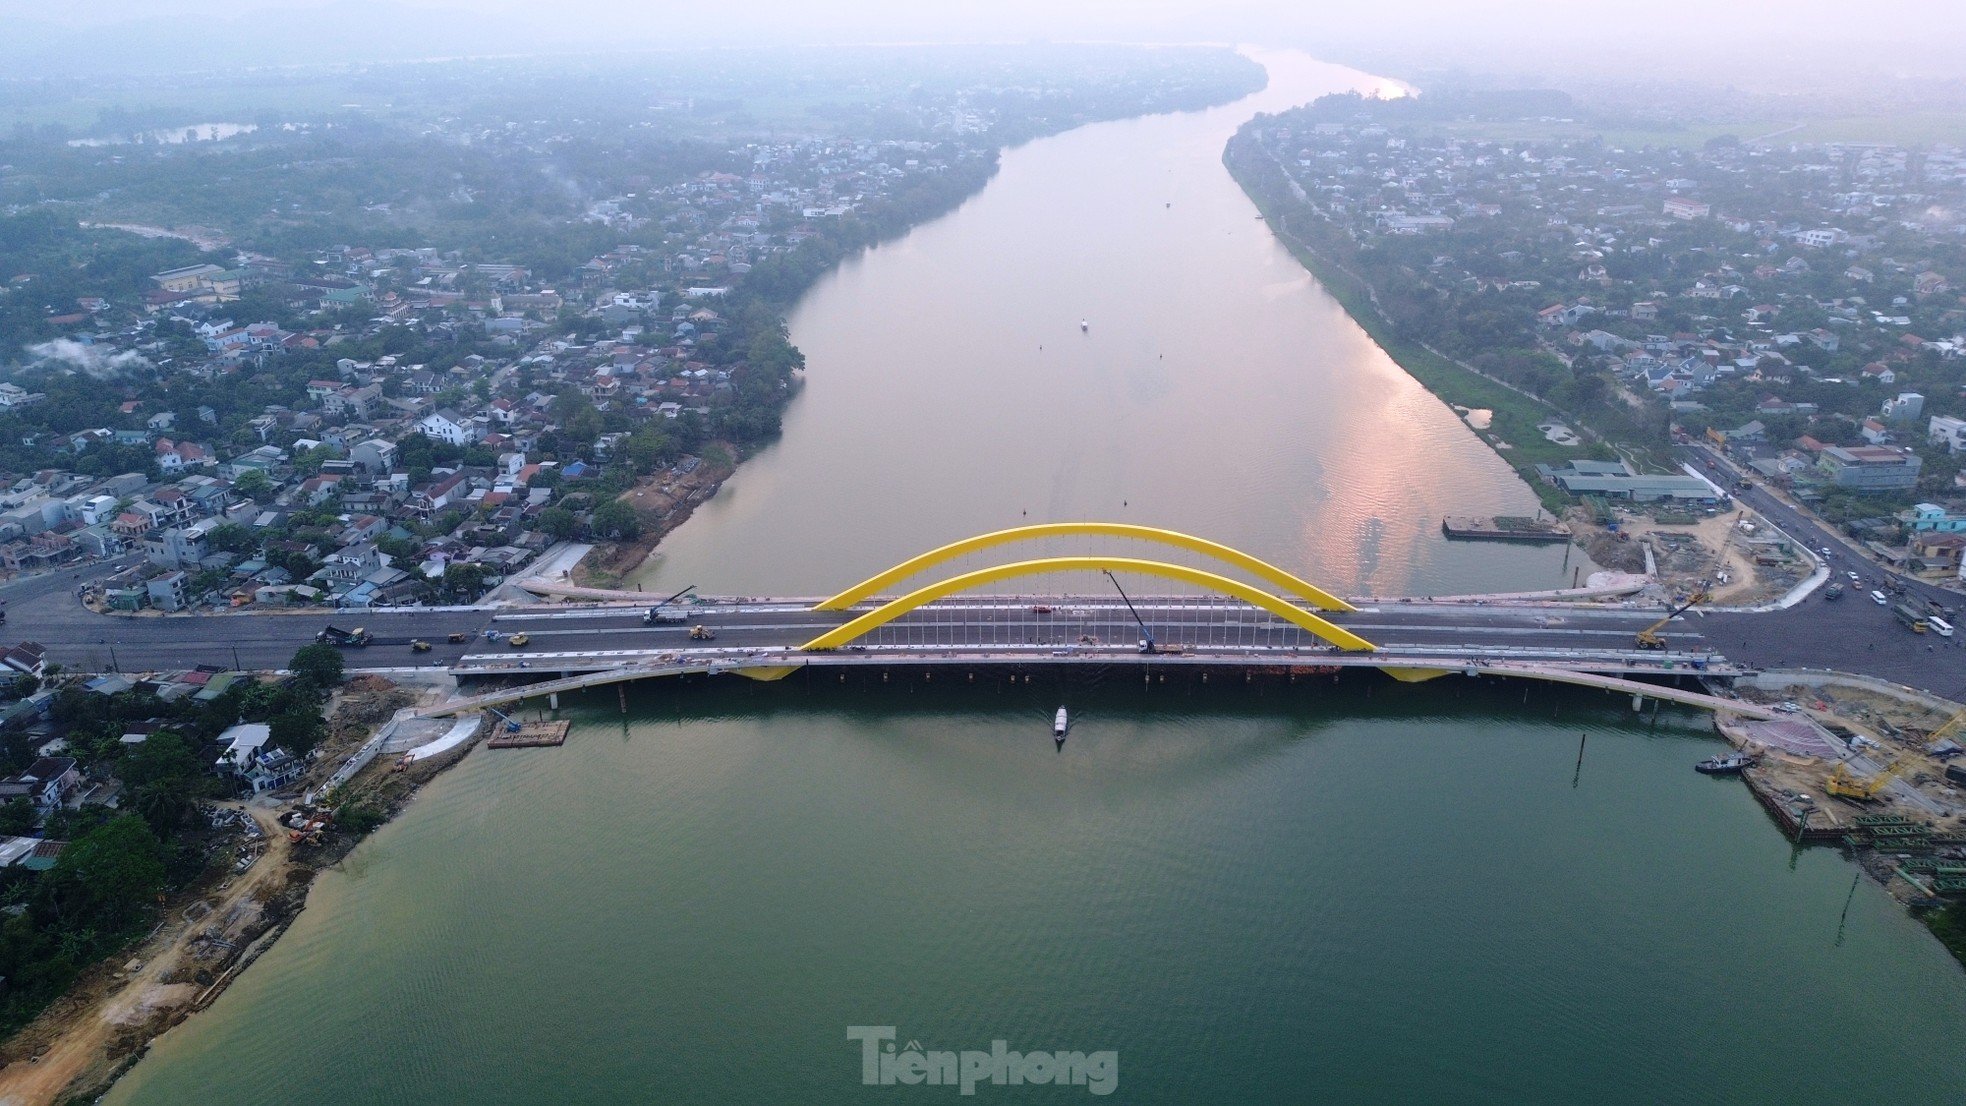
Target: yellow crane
[1650, 638]
[1951, 728]
[1844, 784]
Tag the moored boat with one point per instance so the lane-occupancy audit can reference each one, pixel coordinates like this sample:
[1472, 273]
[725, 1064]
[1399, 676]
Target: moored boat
[1729, 765]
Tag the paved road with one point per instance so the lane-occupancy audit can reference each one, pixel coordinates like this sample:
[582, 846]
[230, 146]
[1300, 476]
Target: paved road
[45, 610]
[1853, 633]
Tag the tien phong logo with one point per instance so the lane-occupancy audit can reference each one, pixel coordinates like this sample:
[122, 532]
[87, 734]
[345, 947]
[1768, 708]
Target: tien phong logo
[883, 1065]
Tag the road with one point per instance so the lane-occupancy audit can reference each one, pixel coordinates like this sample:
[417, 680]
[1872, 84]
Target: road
[1853, 634]
[1850, 634]
[44, 609]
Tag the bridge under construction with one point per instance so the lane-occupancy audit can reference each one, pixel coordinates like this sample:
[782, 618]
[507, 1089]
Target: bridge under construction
[1238, 614]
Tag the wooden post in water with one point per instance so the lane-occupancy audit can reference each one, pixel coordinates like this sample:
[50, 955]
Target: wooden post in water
[621, 692]
[1579, 773]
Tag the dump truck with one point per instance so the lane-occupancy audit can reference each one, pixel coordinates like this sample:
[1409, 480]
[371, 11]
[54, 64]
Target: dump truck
[335, 635]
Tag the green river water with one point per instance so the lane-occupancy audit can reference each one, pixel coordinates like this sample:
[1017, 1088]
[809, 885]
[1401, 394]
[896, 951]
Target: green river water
[1353, 893]
[1306, 893]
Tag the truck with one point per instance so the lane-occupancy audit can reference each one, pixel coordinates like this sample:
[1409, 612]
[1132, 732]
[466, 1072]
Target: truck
[1834, 591]
[666, 610]
[335, 635]
[1912, 618]
[702, 633]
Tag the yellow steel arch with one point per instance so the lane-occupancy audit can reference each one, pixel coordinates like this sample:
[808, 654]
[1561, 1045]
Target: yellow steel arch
[1318, 597]
[895, 608]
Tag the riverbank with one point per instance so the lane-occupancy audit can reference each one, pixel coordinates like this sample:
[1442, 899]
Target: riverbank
[1513, 426]
[663, 502]
[213, 931]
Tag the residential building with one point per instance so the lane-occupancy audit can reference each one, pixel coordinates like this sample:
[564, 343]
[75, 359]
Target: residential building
[1870, 468]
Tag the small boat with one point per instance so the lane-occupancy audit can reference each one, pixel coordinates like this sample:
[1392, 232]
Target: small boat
[1059, 723]
[1084, 326]
[1729, 765]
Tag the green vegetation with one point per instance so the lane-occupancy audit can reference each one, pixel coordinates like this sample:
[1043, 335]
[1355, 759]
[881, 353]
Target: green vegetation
[1948, 924]
[320, 666]
[1515, 415]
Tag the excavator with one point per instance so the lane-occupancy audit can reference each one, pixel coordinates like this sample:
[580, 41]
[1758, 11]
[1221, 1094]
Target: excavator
[1650, 638]
[1845, 784]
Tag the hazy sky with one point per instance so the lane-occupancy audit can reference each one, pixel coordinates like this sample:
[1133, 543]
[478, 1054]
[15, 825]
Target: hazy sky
[1907, 35]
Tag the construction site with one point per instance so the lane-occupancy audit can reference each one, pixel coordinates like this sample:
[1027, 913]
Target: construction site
[1868, 770]
[1740, 561]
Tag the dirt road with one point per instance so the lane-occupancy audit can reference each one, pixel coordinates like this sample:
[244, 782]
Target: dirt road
[68, 1048]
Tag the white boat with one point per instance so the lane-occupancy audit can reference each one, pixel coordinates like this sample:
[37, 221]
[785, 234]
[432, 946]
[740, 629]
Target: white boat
[1059, 723]
[1084, 326]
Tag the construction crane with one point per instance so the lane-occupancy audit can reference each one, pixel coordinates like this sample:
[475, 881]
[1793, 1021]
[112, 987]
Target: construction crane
[1845, 784]
[1649, 638]
[512, 725]
[1146, 635]
[665, 611]
[1950, 729]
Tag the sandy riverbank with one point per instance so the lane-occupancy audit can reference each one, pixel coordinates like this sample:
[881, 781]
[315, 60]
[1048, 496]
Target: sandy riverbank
[663, 502]
[213, 931]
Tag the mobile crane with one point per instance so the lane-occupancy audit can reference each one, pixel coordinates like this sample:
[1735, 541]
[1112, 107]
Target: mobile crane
[1844, 784]
[1147, 643]
[1650, 638]
[665, 612]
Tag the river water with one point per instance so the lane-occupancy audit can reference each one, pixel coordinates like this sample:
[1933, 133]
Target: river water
[1218, 391]
[1358, 892]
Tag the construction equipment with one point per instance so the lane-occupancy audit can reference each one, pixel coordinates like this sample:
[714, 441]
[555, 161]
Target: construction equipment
[512, 725]
[702, 633]
[1147, 644]
[306, 826]
[1845, 784]
[1649, 638]
[518, 641]
[418, 645]
[665, 611]
[458, 637]
[335, 635]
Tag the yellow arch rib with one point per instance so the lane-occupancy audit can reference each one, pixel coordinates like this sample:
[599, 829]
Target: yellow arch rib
[895, 608]
[1319, 598]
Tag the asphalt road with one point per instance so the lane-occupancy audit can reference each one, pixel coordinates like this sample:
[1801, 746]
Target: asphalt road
[1853, 634]
[45, 609]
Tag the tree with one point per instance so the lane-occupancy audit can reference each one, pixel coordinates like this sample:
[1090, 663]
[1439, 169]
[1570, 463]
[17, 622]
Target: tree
[108, 876]
[17, 817]
[617, 520]
[318, 664]
[164, 775]
[252, 484]
[230, 537]
[557, 522]
[464, 579]
[297, 730]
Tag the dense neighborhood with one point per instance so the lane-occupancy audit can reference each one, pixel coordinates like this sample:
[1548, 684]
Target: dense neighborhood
[230, 379]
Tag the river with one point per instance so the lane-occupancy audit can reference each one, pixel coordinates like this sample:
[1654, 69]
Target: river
[1392, 897]
[1368, 891]
[1218, 390]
